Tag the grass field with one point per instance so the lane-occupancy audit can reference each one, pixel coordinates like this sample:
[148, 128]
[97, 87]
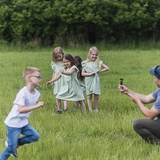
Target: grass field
[106, 135]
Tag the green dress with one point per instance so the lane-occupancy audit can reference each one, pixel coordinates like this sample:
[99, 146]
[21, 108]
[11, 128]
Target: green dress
[82, 84]
[56, 67]
[92, 83]
[71, 89]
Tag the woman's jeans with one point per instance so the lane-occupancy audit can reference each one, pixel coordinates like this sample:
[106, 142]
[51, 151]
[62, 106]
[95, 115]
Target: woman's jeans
[148, 129]
[14, 139]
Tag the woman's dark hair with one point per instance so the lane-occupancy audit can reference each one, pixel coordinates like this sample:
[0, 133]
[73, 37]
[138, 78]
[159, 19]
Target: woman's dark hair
[79, 66]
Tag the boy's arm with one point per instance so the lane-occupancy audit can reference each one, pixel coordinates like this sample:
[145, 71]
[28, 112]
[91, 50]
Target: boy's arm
[24, 109]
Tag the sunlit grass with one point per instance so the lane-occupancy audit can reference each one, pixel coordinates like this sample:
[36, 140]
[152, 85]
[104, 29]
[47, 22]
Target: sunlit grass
[106, 135]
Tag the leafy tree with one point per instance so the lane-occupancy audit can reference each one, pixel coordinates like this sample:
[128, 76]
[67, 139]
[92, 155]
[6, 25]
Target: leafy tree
[69, 22]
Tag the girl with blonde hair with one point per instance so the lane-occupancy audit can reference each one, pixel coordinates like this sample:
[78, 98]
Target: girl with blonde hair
[57, 65]
[92, 66]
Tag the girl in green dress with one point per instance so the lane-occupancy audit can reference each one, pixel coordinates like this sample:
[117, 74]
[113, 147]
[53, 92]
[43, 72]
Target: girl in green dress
[57, 65]
[92, 66]
[79, 76]
[70, 89]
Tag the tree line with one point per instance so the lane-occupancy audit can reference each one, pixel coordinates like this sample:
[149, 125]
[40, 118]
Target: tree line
[79, 21]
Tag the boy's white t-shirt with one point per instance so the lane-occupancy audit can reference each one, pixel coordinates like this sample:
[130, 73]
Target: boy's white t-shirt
[23, 98]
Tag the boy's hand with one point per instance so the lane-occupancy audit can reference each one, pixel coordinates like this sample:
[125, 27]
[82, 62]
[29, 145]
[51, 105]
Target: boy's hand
[40, 104]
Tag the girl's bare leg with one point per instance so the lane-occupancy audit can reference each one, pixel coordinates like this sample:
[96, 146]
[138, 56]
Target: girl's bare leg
[65, 105]
[83, 106]
[59, 108]
[89, 101]
[96, 100]
[76, 105]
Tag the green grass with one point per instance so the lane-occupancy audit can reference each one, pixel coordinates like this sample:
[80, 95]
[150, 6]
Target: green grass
[106, 135]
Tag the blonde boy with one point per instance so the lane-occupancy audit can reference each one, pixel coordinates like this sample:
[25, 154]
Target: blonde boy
[17, 119]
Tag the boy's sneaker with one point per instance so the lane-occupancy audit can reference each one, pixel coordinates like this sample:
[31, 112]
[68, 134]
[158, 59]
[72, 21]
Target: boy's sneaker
[13, 154]
[6, 143]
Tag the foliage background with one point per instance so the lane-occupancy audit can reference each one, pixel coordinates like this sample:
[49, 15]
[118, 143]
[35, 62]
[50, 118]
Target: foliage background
[72, 22]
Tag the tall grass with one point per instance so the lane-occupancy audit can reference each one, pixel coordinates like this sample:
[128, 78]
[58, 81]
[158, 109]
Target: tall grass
[106, 135]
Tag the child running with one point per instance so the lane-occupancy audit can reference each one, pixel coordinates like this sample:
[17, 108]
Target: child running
[17, 119]
[92, 66]
[71, 89]
[57, 65]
